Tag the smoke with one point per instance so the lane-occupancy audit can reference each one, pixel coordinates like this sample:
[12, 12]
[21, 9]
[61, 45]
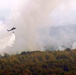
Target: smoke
[6, 39]
[43, 24]
[6, 42]
[29, 18]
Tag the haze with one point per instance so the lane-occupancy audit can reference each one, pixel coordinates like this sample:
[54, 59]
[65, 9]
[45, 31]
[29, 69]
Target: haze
[40, 24]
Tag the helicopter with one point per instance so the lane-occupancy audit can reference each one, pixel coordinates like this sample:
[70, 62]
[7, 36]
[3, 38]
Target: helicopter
[11, 29]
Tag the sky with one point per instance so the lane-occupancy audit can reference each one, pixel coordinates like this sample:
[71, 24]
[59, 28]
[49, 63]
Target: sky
[5, 8]
[40, 25]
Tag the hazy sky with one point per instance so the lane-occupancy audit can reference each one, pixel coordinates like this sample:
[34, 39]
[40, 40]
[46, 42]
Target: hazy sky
[5, 8]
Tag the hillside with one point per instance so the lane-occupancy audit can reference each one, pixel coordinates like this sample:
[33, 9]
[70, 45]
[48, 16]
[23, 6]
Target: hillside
[39, 63]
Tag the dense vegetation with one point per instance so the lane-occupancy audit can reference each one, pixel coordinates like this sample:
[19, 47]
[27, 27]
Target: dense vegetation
[39, 63]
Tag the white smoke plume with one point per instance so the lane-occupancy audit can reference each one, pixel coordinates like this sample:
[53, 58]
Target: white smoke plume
[6, 39]
[43, 24]
[29, 18]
